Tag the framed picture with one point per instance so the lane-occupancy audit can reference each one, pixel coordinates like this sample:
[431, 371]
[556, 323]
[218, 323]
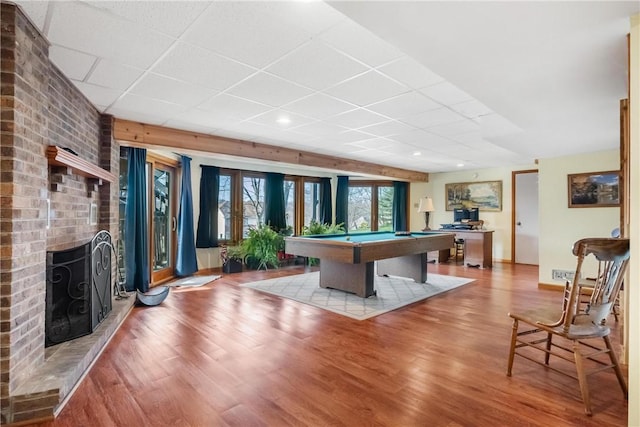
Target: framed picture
[484, 195]
[594, 189]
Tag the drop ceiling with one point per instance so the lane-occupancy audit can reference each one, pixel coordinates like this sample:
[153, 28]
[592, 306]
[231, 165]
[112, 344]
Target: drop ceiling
[427, 86]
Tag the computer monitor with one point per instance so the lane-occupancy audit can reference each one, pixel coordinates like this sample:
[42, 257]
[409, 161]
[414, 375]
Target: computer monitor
[472, 214]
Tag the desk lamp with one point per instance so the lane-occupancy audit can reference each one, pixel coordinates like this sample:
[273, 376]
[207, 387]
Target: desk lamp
[426, 206]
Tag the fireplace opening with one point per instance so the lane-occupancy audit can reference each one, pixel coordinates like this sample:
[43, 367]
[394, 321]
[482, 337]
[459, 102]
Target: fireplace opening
[78, 294]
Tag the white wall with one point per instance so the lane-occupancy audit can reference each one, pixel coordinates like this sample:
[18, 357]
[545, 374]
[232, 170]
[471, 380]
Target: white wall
[561, 226]
[500, 222]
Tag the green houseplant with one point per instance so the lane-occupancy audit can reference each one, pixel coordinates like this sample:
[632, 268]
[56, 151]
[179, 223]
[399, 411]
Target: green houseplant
[315, 227]
[261, 247]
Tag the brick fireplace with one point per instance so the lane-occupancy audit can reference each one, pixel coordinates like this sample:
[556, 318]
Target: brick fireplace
[43, 208]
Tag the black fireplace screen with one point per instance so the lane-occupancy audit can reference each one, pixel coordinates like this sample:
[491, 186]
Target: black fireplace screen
[78, 295]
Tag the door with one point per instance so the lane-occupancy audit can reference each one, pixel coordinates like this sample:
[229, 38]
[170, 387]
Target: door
[163, 222]
[525, 217]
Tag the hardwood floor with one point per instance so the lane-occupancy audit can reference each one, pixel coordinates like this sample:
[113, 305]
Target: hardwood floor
[222, 355]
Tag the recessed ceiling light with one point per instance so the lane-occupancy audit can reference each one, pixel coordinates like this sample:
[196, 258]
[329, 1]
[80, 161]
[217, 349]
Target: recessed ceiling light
[417, 153]
[284, 120]
[460, 165]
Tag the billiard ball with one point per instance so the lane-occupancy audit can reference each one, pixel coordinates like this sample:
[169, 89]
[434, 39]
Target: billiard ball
[348, 238]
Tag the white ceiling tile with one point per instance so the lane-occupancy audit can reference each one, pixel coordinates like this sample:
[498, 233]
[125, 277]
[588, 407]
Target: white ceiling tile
[407, 104]
[171, 17]
[242, 31]
[130, 104]
[446, 93]
[357, 118]
[317, 66]
[350, 136]
[373, 143]
[421, 139]
[455, 128]
[125, 42]
[410, 72]
[322, 129]
[471, 109]
[202, 67]
[114, 75]
[432, 118]
[223, 105]
[170, 90]
[360, 43]
[97, 94]
[389, 128]
[367, 88]
[274, 119]
[73, 64]
[267, 89]
[319, 106]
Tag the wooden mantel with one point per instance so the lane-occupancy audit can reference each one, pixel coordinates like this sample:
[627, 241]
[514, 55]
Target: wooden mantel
[145, 135]
[60, 157]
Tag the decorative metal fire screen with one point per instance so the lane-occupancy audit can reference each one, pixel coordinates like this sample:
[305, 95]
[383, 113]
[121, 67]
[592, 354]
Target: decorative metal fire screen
[78, 295]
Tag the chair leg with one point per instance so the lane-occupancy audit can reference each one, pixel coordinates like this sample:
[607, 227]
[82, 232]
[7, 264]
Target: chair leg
[616, 367]
[582, 377]
[548, 353]
[512, 350]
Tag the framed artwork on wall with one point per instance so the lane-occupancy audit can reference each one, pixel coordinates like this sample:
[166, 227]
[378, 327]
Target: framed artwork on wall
[594, 189]
[484, 195]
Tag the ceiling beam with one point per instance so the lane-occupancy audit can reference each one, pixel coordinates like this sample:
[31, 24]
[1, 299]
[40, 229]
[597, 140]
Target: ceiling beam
[158, 136]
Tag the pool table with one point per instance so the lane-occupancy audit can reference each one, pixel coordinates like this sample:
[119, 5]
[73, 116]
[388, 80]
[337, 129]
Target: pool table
[347, 260]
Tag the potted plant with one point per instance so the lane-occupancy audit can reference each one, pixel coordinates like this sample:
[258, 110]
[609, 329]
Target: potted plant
[232, 257]
[261, 247]
[315, 227]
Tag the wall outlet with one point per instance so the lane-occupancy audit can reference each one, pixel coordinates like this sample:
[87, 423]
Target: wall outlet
[562, 274]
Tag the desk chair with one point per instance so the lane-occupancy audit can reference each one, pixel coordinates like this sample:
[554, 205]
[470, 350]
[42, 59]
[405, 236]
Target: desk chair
[577, 333]
[459, 249]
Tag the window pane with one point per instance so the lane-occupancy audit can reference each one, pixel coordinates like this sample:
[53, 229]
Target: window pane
[289, 203]
[359, 209]
[224, 207]
[385, 208]
[311, 202]
[252, 203]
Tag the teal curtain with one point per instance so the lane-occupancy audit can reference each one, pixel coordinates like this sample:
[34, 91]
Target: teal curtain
[274, 209]
[136, 248]
[326, 211]
[342, 201]
[207, 234]
[186, 261]
[399, 210]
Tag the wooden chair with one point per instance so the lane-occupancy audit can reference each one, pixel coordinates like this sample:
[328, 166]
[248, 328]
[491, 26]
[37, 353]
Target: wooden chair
[582, 328]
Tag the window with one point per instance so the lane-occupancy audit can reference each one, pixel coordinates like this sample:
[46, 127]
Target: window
[360, 208]
[224, 207]
[290, 202]
[385, 208]
[252, 202]
[370, 206]
[311, 202]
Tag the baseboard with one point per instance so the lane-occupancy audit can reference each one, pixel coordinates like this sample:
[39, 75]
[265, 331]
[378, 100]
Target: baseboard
[551, 287]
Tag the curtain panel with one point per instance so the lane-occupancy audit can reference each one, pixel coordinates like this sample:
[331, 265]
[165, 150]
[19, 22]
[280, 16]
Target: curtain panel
[136, 247]
[274, 209]
[326, 211]
[399, 210]
[342, 202]
[186, 262]
[207, 234]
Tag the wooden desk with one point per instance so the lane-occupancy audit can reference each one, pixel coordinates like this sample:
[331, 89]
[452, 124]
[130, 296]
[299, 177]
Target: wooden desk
[478, 247]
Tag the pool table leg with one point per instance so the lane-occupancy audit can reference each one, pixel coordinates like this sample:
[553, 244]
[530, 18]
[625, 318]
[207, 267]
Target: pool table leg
[413, 266]
[354, 278]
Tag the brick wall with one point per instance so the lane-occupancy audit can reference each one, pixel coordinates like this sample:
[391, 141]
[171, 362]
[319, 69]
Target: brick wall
[40, 107]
